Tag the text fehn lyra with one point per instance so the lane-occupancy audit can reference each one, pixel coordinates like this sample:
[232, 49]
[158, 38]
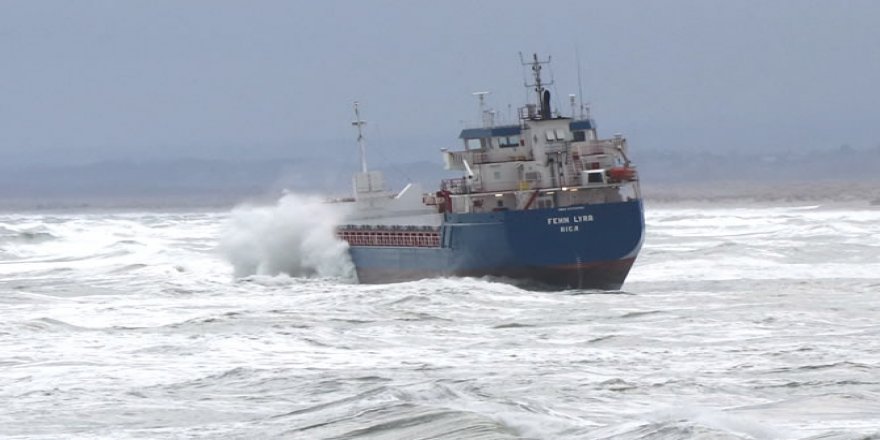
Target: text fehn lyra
[569, 224]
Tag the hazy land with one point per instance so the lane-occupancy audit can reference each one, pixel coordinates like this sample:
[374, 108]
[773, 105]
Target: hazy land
[841, 175]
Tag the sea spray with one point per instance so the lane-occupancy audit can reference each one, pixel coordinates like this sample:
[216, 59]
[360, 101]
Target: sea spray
[296, 237]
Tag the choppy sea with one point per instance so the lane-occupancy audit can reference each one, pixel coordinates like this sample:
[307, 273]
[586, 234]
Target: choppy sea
[735, 323]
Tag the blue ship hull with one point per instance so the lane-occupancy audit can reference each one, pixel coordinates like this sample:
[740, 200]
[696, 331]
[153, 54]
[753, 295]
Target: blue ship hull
[580, 247]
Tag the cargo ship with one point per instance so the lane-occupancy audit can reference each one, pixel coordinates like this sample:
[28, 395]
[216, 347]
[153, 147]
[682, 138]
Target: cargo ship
[543, 201]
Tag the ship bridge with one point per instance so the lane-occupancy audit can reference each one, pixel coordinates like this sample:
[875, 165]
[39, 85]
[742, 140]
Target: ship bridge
[510, 136]
[505, 136]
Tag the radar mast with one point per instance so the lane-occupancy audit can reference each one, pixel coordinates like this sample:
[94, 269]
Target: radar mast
[543, 94]
[360, 140]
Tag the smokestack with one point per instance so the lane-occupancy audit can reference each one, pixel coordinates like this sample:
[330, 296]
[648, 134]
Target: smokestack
[545, 105]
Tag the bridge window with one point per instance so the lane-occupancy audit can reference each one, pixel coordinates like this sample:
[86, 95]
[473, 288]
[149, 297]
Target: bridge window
[579, 136]
[508, 141]
[555, 135]
[473, 144]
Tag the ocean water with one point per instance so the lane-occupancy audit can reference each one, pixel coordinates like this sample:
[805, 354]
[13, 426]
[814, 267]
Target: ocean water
[735, 323]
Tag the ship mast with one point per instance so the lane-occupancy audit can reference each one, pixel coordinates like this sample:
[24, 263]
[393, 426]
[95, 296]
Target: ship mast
[359, 124]
[486, 116]
[543, 94]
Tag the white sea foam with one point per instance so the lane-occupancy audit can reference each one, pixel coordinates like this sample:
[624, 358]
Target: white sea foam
[735, 323]
[296, 236]
[764, 243]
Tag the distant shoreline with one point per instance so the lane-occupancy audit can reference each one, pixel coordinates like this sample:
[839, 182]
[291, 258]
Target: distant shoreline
[860, 193]
[828, 194]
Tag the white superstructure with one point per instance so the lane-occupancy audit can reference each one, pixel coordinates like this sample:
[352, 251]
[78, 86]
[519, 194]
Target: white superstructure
[546, 160]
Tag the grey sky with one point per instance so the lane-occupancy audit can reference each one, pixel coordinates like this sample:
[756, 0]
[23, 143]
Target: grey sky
[93, 80]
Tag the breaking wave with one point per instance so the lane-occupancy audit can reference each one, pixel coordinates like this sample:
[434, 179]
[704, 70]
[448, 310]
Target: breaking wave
[28, 236]
[296, 237]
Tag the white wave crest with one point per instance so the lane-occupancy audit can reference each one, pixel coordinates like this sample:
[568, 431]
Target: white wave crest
[296, 237]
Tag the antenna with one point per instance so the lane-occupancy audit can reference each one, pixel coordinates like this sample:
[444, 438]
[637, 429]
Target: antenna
[571, 98]
[483, 113]
[359, 124]
[577, 56]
